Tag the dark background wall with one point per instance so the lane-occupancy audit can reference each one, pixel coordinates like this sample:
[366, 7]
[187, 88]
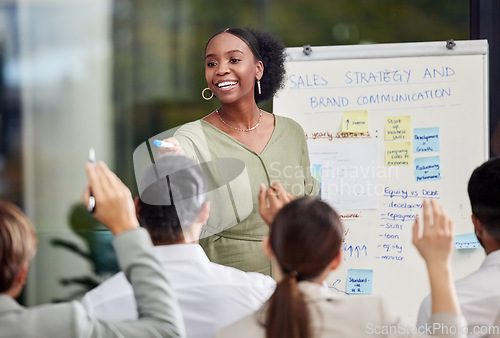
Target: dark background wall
[485, 24]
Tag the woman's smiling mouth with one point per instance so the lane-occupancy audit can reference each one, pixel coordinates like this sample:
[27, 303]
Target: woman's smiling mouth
[226, 84]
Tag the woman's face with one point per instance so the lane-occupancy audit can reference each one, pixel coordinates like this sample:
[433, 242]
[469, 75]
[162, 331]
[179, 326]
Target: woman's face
[231, 68]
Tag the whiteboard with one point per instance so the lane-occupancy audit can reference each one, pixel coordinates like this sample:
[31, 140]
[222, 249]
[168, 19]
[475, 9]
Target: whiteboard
[386, 126]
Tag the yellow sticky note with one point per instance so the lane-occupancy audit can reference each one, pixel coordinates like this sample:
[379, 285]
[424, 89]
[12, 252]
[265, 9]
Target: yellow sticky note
[397, 153]
[398, 128]
[355, 121]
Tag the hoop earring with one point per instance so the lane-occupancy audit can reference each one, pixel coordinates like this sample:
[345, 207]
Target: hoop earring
[203, 94]
[259, 90]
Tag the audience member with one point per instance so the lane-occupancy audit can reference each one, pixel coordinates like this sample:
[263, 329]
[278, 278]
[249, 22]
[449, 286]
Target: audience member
[305, 246]
[478, 293]
[159, 313]
[211, 295]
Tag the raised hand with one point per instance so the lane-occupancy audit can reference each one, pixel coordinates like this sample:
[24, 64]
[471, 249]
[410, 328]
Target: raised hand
[435, 241]
[114, 204]
[435, 244]
[271, 200]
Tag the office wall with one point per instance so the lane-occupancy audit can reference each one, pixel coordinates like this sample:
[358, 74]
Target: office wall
[64, 78]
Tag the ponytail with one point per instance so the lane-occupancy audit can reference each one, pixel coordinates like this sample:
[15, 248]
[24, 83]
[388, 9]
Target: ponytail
[305, 237]
[287, 314]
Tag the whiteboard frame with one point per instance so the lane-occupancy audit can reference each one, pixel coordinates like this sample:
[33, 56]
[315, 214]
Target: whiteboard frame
[477, 48]
[388, 50]
[407, 49]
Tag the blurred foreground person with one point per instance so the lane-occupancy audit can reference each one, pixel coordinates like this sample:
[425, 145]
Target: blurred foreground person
[159, 313]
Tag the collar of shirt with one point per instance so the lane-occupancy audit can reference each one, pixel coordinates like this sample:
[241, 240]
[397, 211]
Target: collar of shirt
[492, 259]
[8, 305]
[314, 291]
[180, 252]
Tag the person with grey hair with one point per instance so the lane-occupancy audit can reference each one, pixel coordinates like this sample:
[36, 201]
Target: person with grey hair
[173, 208]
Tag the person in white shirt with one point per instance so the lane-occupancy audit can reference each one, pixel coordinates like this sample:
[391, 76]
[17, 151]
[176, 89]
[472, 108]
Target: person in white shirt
[478, 293]
[211, 296]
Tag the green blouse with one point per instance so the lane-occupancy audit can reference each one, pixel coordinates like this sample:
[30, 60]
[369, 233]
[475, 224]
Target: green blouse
[234, 231]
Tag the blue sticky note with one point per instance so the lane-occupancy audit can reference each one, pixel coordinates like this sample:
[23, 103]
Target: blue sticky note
[426, 139]
[427, 168]
[467, 241]
[317, 172]
[359, 281]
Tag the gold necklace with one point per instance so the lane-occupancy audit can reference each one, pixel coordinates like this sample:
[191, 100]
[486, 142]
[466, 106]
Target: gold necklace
[245, 130]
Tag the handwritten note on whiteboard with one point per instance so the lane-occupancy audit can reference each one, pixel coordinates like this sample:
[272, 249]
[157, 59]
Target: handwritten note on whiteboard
[426, 139]
[427, 168]
[359, 281]
[397, 153]
[467, 241]
[398, 128]
[355, 121]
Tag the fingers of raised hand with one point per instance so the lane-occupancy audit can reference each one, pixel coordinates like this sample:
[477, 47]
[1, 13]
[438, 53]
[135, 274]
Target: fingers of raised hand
[427, 216]
[262, 197]
[278, 190]
[441, 222]
[271, 200]
[437, 233]
[86, 194]
[274, 195]
[265, 210]
[115, 206]
[416, 231]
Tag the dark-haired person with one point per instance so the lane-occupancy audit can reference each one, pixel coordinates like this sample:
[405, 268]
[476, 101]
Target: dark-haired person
[304, 243]
[478, 293]
[242, 68]
[159, 313]
[211, 295]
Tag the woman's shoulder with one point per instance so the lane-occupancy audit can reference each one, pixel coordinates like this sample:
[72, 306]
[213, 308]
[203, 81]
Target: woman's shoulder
[286, 120]
[314, 293]
[189, 128]
[288, 123]
[248, 326]
[192, 138]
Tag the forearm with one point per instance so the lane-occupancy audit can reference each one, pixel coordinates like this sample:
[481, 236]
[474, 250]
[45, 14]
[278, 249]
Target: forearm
[443, 292]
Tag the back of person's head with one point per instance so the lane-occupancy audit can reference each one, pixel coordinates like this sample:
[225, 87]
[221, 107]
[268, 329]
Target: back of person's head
[305, 237]
[484, 195]
[271, 51]
[172, 201]
[18, 243]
